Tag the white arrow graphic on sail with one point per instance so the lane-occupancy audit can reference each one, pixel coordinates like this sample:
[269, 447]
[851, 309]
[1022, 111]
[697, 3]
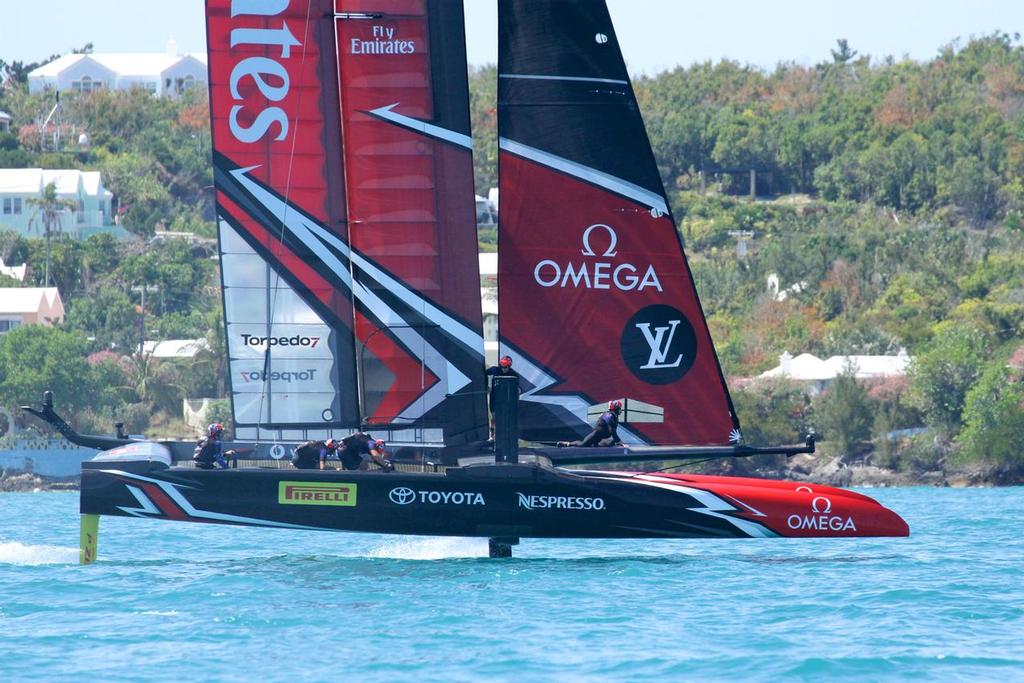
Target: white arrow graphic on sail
[318, 239]
[540, 380]
[423, 127]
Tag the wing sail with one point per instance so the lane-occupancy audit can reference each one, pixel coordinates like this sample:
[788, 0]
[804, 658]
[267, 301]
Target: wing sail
[344, 225]
[596, 298]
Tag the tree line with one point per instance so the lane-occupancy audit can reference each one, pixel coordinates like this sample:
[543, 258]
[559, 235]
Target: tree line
[889, 209]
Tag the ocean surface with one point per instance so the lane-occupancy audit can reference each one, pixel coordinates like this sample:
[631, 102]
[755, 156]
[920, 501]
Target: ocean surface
[171, 601]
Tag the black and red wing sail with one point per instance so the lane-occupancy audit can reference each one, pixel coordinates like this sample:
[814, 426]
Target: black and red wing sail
[597, 301]
[342, 309]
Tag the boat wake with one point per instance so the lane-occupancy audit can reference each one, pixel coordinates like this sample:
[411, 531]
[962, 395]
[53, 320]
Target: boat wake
[13, 552]
[430, 548]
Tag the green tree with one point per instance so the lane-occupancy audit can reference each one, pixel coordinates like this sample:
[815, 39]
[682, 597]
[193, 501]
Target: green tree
[941, 376]
[37, 357]
[772, 412]
[844, 413]
[108, 315]
[994, 418]
[49, 210]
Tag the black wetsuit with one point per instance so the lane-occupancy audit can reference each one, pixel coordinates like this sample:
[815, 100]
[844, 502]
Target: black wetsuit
[209, 453]
[605, 432]
[309, 455]
[498, 371]
[353, 449]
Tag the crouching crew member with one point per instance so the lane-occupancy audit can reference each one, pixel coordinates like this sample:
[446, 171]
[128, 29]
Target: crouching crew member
[606, 429]
[210, 450]
[307, 455]
[359, 449]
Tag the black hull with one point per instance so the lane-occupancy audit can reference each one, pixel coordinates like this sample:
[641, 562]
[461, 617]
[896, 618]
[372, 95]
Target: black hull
[524, 500]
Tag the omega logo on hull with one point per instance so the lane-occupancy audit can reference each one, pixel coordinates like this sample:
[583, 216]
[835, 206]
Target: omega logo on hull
[822, 519]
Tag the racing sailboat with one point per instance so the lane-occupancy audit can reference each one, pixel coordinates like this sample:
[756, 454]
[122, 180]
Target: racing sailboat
[343, 169]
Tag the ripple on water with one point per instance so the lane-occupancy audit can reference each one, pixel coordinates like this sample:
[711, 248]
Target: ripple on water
[947, 603]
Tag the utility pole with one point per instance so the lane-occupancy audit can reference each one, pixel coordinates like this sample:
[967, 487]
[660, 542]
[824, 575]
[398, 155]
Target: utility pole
[741, 241]
[142, 319]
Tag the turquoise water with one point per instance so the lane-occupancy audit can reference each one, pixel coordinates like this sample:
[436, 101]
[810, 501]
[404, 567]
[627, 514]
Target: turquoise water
[174, 601]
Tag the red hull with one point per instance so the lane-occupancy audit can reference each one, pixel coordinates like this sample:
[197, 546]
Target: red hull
[795, 509]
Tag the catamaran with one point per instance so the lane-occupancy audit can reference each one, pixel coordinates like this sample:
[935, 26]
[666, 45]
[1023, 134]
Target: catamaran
[347, 237]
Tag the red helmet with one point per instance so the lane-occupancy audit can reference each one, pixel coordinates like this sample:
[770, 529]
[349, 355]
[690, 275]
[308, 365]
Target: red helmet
[216, 429]
[615, 406]
[379, 443]
[330, 444]
[505, 362]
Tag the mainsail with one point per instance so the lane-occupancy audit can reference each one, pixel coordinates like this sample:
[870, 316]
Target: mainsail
[597, 301]
[346, 219]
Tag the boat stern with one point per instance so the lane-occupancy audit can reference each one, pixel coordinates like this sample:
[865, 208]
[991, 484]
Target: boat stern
[795, 509]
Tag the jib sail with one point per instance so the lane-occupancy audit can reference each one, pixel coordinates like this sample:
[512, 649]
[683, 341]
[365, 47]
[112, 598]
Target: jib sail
[343, 222]
[596, 298]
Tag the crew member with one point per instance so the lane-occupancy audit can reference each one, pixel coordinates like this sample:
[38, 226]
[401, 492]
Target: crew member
[502, 369]
[210, 450]
[605, 432]
[359, 449]
[307, 455]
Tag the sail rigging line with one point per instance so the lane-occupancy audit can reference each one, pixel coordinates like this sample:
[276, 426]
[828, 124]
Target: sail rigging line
[276, 279]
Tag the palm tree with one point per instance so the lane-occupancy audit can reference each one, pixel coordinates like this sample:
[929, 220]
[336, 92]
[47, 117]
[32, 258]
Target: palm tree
[49, 210]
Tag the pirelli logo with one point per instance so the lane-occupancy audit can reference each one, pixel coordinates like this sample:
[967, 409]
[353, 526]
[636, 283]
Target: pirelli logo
[312, 493]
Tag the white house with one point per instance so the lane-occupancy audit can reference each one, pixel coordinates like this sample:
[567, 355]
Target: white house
[14, 272]
[29, 306]
[5, 122]
[177, 349]
[166, 73]
[818, 374]
[92, 212]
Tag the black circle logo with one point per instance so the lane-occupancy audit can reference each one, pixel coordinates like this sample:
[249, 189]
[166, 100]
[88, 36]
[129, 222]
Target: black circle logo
[659, 345]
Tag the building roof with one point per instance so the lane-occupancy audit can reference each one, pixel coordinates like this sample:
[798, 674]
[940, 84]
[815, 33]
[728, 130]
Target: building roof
[809, 368]
[56, 66]
[22, 300]
[33, 180]
[21, 180]
[123, 63]
[66, 180]
[4, 116]
[91, 182]
[174, 348]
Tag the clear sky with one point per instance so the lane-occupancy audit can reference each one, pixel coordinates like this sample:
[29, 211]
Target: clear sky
[655, 34]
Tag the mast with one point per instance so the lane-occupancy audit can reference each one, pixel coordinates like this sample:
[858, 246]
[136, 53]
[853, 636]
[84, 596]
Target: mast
[596, 298]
